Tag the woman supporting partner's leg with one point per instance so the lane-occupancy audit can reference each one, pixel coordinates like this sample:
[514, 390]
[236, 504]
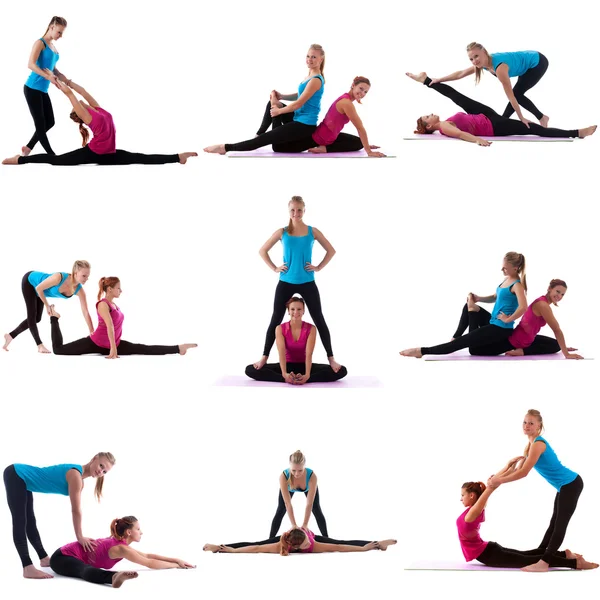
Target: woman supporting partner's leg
[77, 348]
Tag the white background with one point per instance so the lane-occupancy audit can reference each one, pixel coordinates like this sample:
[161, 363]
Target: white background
[413, 235]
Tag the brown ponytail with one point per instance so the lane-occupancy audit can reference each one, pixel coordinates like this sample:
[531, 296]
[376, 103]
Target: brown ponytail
[83, 130]
[299, 200]
[291, 540]
[474, 487]
[105, 283]
[119, 527]
[100, 480]
[55, 21]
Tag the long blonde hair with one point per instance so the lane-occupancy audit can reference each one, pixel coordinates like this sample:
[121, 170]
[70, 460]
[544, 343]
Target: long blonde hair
[532, 412]
[100, 481]
[517, 260]
[478, 70]
[299, 200]
[297, 458]
[319, 48]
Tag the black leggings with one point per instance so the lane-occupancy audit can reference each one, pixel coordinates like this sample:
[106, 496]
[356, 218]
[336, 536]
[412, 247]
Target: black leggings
[41, 110]
[69, 566]
[20, 502]
[496, 555]
[541, 345]
[35, 310]
[268, 120]
[281, 510]
[344, 142]
[85, 156]
[526, 82]
[87, 346]
[318, 538]
[310, 292]
[319, 373]
[501, 125]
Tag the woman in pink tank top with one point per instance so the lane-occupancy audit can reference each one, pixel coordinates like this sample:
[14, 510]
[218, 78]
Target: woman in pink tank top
[106, 339]
[479, 121]
[94, 566]
[295, 345]
[102, 149]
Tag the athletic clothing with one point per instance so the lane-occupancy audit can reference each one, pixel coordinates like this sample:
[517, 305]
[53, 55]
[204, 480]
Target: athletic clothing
[319, 372]
[281, 510]
[308, 113]
[297, 253]
[473, 124]
[42, 113]
[295, 350]
[518, 63]
[86, 156]
[506, 303]
[103, 128]
[36, 277]
[542, 344]
[98, 557]
[46, 480]
[309, 473]
[35, 310]
[528, 327]
[468, 535]
[47, 59]
[333, 123]
[100, 336]
[69, 566]
[311, 538]
[551, 469]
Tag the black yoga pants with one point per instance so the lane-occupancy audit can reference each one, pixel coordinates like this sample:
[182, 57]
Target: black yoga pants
[20, 502]
[344, 142]
[268, 120]
[281, 510]
[541, 345]
[86, 346]
[319, 373]
[40, 107]
[85, 156]
[310, 292]
[496, 555]
[35, 310]
[318, 538]
[501, 125]
[69, 566]
[526, 82]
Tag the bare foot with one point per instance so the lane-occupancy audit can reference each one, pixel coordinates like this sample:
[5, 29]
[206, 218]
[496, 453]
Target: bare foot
[544, 121]
[211, 548]
[414, 352]
[216, 149]
[53, 312]
[584, 564]
[30, 572]
[183, 157]
[472, 306]
[45, 562]
[421, 77]
[261, 363]
[14, 160]
[572, 555]
[183, 348]
[318, 150]
[121, 577]
[25, 151]
[383, 545]
[516, 352]
[334, 364]
[43, 350]
[7, 340]
[539, 567]
[582, 132]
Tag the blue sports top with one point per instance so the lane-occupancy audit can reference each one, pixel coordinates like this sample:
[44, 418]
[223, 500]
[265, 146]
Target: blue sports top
[46, 60]
[551, 469]
[309, 473]
[36, 277]
[297, 251]
[507, 303]
[518, 62]
[309, 112]
[46, 480]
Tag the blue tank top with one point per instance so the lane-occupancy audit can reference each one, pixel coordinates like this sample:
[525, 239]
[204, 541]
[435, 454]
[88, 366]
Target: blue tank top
[309, 112]
[309, 473]
[518, 62]
[46, 60]
[507, 303]
[551, 469]
[297, 251]
[46, 480]
[36, 277]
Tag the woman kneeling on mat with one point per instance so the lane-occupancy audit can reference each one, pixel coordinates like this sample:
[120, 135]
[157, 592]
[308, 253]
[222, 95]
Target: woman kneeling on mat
[299, 540]
[524, 341]
[102, 149]
[295, 345]
[485, 328]
[480, 120]
[72, 560]
[106, 339]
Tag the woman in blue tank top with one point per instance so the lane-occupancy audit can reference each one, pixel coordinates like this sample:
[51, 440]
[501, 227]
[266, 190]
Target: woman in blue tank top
[540, 456]
[21, 481]
[509, 301]
[292, 122]
[37, 287]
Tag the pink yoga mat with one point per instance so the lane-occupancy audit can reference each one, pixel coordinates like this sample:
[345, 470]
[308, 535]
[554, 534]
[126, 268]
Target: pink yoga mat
[464, 355]
[449, 565]
[350, 381]
[436, 137]
[266, 152]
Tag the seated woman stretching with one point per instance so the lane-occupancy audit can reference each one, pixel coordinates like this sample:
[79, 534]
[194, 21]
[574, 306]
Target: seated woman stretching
[485, 328]
[106, 339]
[524, 341]
[72, 560]
[299, 540]
[480, 120]
[295, 345]
[102, 149]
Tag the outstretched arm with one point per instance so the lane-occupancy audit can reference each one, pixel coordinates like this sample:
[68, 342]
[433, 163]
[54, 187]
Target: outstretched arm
[287, 500]
[504, 79]
[280, 342]
[310, 499]
[350, 111]
[84, 93]
[548, 316]
[310, 348]
[82, 111]
[49, 282]
[259, 549]
[75, 485]
[453, 131]
[478, 507]
[37, 48]
[84, 310]
[535, 451]
[454, 76]
[152, 561]
[311, 88]
[321, 547]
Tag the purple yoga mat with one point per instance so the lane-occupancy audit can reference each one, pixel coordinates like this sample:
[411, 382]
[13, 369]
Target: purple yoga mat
[348, 382]
[266, 152]
[449, 565]
[464, 355]
[436, 137]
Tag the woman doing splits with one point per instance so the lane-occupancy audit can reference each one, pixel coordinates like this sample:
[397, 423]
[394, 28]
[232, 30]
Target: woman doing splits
[66, 479]
[37, 287]
[72, 560]
[295, 345]
[480, 120]
[106, 339]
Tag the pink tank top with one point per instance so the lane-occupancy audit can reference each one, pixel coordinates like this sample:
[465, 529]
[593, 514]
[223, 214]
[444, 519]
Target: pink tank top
[103, 128]
[295, 351]
[328, 130]
[311, 538]
[468, 534]
[528, 328]
[98, 557]
[473, 124]
[100, 336]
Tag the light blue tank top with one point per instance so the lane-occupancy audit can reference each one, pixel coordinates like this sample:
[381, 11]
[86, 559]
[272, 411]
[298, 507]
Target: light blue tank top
[297, 251]
[46, 60]
[46, 480]
[309, 473]
[518, 62]
[507, 303]
[551, 469]
[36, 277]
[309, 112]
